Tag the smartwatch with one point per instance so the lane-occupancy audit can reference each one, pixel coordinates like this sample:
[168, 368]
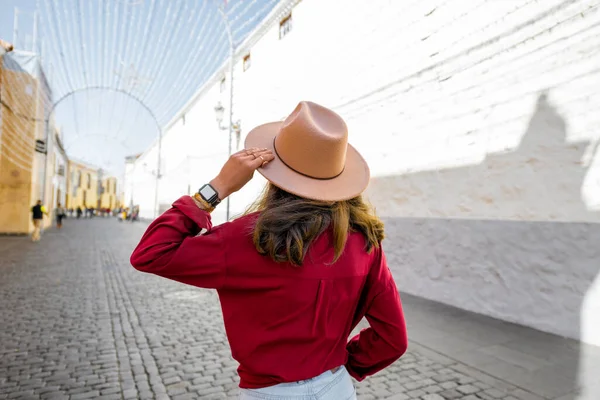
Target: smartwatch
[209, 195]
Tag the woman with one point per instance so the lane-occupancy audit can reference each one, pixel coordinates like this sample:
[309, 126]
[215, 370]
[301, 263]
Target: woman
[298, 274]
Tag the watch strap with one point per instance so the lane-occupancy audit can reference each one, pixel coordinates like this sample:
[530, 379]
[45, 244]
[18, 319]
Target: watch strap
[203, 204]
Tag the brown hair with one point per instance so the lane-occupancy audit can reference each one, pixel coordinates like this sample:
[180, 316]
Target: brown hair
[288, 224]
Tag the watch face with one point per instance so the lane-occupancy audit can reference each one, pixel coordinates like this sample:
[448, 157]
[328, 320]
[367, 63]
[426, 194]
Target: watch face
[207, 192]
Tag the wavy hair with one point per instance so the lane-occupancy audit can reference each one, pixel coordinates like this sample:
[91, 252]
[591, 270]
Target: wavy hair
[288, 224]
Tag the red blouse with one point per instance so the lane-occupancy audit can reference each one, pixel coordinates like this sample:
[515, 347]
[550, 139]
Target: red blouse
[284, 323]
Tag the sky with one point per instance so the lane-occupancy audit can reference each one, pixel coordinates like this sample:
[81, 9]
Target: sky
[118, 69]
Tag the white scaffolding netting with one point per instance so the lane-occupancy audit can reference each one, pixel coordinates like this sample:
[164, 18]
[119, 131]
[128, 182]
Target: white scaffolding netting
[112, 72]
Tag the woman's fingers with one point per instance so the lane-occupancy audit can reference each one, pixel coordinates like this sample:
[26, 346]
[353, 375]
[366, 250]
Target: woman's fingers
[258, 157]
[253, 152]
[263, 158]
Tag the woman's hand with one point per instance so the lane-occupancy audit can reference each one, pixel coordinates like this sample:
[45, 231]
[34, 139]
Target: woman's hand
[239, 169]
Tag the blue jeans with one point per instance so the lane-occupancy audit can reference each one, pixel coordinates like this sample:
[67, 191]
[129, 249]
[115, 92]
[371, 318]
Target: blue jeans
[327, 386]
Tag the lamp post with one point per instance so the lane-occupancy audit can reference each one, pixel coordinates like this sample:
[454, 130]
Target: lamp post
[233, 127]
[236, 127]
[219, 108]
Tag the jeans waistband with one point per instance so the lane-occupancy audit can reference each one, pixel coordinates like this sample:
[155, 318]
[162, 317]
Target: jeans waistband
[332, 371]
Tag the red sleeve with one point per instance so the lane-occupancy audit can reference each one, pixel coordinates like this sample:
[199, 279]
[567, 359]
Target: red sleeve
[171, 248]
[386, 339]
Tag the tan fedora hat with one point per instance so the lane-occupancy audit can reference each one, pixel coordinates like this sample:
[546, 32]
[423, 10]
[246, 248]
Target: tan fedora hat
[312, 156]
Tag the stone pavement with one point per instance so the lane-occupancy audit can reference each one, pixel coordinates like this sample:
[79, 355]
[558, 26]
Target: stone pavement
[78, 322]
[547, 365]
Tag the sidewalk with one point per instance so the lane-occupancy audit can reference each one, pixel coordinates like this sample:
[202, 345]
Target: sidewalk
[545, 365]
[79, 322]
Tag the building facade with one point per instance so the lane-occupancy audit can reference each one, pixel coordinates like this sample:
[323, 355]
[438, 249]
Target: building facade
[26, 137]
[480, 125]
[83, 185]
[58, 164]
[109, 198]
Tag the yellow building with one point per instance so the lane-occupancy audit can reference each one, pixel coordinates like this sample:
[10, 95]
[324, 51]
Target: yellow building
[82, 186]
[33, 163]
[109, 199]
[24, 105]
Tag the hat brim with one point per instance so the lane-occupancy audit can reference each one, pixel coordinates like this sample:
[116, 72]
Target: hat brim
[349, 184]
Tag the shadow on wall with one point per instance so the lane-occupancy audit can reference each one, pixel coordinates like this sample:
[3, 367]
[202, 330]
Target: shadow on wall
[510, 238]
[540, 180]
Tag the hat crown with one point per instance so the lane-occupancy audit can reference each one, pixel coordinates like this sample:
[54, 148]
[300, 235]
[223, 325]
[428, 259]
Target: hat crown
[313, 141]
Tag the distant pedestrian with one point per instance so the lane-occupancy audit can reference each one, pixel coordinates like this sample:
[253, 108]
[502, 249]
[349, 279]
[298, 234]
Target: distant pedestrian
[37, 213]
[79, 212]
[60, 215]
[134, 214]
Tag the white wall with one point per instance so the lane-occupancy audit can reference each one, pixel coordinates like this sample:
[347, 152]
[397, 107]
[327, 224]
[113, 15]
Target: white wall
[196, 151]
[143, 183]
[127, 187]
[446, 102]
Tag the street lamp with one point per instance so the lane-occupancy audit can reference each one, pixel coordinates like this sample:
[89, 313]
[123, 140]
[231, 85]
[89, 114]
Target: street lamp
[219, 112]
[234, 127]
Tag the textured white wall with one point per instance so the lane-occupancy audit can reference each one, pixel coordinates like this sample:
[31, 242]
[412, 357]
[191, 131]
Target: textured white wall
[127, 185]
[484, 111]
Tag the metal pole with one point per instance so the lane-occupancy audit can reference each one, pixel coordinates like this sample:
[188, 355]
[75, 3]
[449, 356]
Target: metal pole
[35, 31]
[16, 28]
[132, 186]
[47, 159]
[156, 208]
[47, 135]
[231, 61]
[231, 56]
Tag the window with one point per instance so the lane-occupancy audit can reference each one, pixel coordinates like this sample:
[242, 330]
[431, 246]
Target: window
[247, 62]
[223, 85]
[78, 178]
[89, 181]
[285, 26]
[40, 146]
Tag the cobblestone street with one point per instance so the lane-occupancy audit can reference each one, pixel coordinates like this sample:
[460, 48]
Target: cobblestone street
[79, 322]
